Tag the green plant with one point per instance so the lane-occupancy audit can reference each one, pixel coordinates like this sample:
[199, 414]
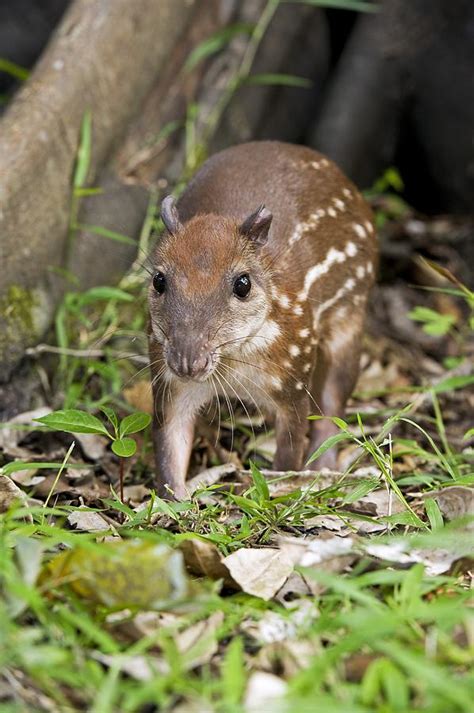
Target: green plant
[458, 326]
[75, 421]
[434, 323]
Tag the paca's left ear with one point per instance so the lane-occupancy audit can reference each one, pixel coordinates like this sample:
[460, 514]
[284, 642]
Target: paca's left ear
[257, 225]
[169, 215]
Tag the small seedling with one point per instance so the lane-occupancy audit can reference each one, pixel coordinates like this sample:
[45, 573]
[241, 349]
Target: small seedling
[75, 421]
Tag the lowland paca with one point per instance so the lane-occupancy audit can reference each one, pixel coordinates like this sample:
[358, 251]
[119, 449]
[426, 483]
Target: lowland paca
[259, 294]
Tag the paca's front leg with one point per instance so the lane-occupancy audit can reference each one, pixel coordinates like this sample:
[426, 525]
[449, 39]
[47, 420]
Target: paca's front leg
[173, 436]
[333, 381]
[291, 426]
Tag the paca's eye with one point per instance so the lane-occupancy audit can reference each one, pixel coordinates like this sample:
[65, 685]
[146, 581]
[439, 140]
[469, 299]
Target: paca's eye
[242, 286]
[159, 282]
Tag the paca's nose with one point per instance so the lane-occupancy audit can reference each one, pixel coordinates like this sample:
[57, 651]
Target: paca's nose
[189, 362]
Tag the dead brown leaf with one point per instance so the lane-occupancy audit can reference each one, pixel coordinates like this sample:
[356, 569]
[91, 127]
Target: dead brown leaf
[10, 436]
[274, 627]
[136, 494]
[203, 558]
[93, 446]
[455, 501]
[382, 503]
[209, 477]
[261, 572]
[265, 692]
[10, 493]
[87, 521]
[140, 667]
[435, 561]
[288, 657]
[329, 551]
[296, 586]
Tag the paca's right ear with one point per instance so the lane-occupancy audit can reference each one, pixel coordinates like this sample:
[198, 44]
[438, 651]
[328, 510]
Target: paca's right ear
[169, 215]
[257, 225]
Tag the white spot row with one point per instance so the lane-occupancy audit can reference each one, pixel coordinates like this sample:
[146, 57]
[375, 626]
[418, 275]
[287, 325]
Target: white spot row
[314, 273]
[363, 230]
[314, 218]
[361, 272]
[319, 164]
[348, 286]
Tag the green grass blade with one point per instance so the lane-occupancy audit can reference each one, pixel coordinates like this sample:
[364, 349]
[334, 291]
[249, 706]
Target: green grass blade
[284, 80]
[84, 152]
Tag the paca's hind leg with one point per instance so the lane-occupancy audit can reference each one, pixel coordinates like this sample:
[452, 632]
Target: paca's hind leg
[333, 380]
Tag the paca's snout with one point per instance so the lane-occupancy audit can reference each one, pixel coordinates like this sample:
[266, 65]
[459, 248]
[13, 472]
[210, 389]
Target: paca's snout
[191, 361]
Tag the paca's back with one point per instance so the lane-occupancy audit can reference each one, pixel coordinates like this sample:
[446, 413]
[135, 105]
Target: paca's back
[292, 181]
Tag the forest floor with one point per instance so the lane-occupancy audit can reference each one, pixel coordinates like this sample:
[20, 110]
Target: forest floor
[337, 591]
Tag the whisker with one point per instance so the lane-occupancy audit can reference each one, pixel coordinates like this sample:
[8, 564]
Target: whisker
[281, 368]
[229, 406]
[219, 410]
[219, 327]
[146, 368]
[235, 375]
[254, 383]
[239, 400]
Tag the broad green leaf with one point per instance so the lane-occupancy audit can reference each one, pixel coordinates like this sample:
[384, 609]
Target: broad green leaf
[370, 685]
[83, 152]
[106, 233]
[73, 421]
[111, 415]
[395, 686]
[285, 80]
[261, 485]
[329, 443]
[434, 514]
[233, 675]
[215, 43]
[340, 423]
[124, 447]
[134, 423]
[434, 323]
[245, 504]
[361, 490]
[453, 382]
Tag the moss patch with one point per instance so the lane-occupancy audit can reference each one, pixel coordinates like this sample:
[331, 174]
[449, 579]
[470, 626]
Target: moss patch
[16, 313]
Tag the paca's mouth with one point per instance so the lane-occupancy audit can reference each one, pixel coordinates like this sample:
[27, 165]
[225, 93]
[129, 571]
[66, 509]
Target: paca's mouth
[197, 379]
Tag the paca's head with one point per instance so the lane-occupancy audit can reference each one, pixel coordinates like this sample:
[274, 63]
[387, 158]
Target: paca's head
[210, 289]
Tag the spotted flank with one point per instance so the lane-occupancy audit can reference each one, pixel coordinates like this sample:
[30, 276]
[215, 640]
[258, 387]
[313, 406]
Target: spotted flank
[333, 257]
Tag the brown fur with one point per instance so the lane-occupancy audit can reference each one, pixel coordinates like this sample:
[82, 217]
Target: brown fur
[304, 356]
